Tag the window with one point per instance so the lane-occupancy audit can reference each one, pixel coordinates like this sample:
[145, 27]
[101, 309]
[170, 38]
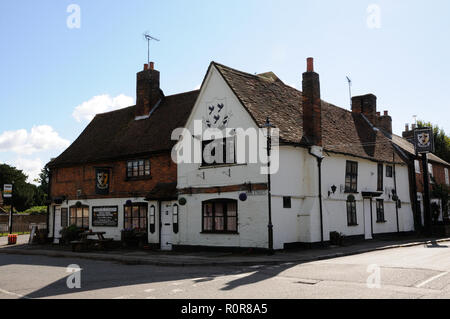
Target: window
[417, 166]
[175, 218]
[152, 220]
[380, 211]
[447, 178]
[220, 216]
[135, 216]
[389, 171]
[351, 213]
[287, 202]
[64, 217]
[218, 152]
[430, 172]
[138, 168]
[380, 177]
[351, 177]
[79, 216]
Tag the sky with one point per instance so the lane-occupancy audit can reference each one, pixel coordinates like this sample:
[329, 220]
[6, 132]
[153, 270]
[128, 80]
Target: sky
[63, 61]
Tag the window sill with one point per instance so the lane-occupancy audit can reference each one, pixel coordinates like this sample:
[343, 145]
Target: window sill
[221, 165]
[381, 221]
[219, 232]
[351, 192]
[139, 178]
[352, 225]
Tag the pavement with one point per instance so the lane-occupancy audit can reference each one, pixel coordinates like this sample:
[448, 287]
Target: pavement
[414, 272]
[208, 258]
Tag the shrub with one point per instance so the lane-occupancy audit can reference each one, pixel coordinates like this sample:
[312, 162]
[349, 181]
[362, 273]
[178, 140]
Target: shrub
[70, 233]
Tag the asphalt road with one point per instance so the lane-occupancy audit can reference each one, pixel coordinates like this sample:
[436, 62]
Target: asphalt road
[413, 272]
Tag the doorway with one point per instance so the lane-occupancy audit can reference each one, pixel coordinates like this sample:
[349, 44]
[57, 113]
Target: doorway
[367, 211]
[57, 225]
[166, 226]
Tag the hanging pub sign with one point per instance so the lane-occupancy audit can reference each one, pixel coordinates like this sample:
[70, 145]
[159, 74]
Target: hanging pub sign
[102, 180]
[423, 140]
[106, 216]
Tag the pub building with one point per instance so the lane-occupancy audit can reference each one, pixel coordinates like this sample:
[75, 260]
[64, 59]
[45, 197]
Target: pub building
[341, 171]
[118, 174]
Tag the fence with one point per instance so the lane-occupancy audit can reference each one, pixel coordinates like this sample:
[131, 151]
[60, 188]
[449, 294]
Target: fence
[21, 228]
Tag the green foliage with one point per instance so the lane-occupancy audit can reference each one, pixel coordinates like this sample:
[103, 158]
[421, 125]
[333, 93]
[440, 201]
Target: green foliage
[441, 192]
[441, 140]
[70, 233]
[35, 210]
[25, 195]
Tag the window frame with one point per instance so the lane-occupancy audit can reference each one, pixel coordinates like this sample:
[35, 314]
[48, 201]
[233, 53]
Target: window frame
[65, 221]
[141, 165]
[380, 211]
[175, 218]
[83, 217]
[417, 167]
[287, 202]
[446, 176]
[152, 215]
[224, 202]
[353, 186]
[225, 144]
[380, 177]
[352, 216]
[141, 216]
[389, 171]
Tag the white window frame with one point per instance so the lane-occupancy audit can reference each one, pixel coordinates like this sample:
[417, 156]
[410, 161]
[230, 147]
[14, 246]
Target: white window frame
[447, 177]
[417, 166]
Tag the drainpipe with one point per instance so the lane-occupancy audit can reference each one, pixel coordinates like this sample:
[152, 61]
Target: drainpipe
[319, 164]
[396, 194]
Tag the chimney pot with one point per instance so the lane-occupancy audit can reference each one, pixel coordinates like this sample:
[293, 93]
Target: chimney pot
[310, 65]
[378, 114]
[386, 113]
[145, 67]
[152, 65]
[413, 126]
[406, 127]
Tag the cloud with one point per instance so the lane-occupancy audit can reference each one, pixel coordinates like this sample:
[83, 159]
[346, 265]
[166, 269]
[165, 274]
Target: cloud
[100, 104]
[31, 167]
[40, 138]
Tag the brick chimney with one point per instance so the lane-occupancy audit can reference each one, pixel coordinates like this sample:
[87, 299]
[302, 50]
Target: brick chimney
[148, 93]
[384, 122]
[409, 134]
[367, 105]
[312, 105]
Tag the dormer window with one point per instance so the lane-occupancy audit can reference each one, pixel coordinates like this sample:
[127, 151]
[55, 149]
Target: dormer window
[138, 168]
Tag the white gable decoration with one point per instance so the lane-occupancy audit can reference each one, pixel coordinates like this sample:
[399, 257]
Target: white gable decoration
[217, 115]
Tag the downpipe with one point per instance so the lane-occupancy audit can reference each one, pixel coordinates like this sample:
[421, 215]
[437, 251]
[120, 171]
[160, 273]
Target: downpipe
[319, 164]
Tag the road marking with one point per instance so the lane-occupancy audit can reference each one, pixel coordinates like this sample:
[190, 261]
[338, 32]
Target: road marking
[431, 279]
[13, 294]
[177, 290]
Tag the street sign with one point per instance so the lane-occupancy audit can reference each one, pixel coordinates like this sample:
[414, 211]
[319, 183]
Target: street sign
[423, 140]
[7, 190]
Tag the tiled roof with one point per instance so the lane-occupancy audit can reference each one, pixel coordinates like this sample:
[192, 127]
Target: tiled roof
[117, 134]
[343, 132]
[409, 148]
[163, 191]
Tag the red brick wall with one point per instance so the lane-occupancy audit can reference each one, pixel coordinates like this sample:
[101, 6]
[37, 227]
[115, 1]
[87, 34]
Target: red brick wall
[66, 181]
[438, 173]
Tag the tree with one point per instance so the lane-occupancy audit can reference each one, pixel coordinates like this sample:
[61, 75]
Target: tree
[41, 191]
[23, 192]
[441, 140]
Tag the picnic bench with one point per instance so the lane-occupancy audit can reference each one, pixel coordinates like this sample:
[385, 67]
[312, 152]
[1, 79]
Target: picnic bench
[86, 244]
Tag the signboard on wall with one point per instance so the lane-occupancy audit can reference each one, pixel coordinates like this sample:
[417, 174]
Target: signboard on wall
[102, 181]
[423, 140]
[105, 216]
